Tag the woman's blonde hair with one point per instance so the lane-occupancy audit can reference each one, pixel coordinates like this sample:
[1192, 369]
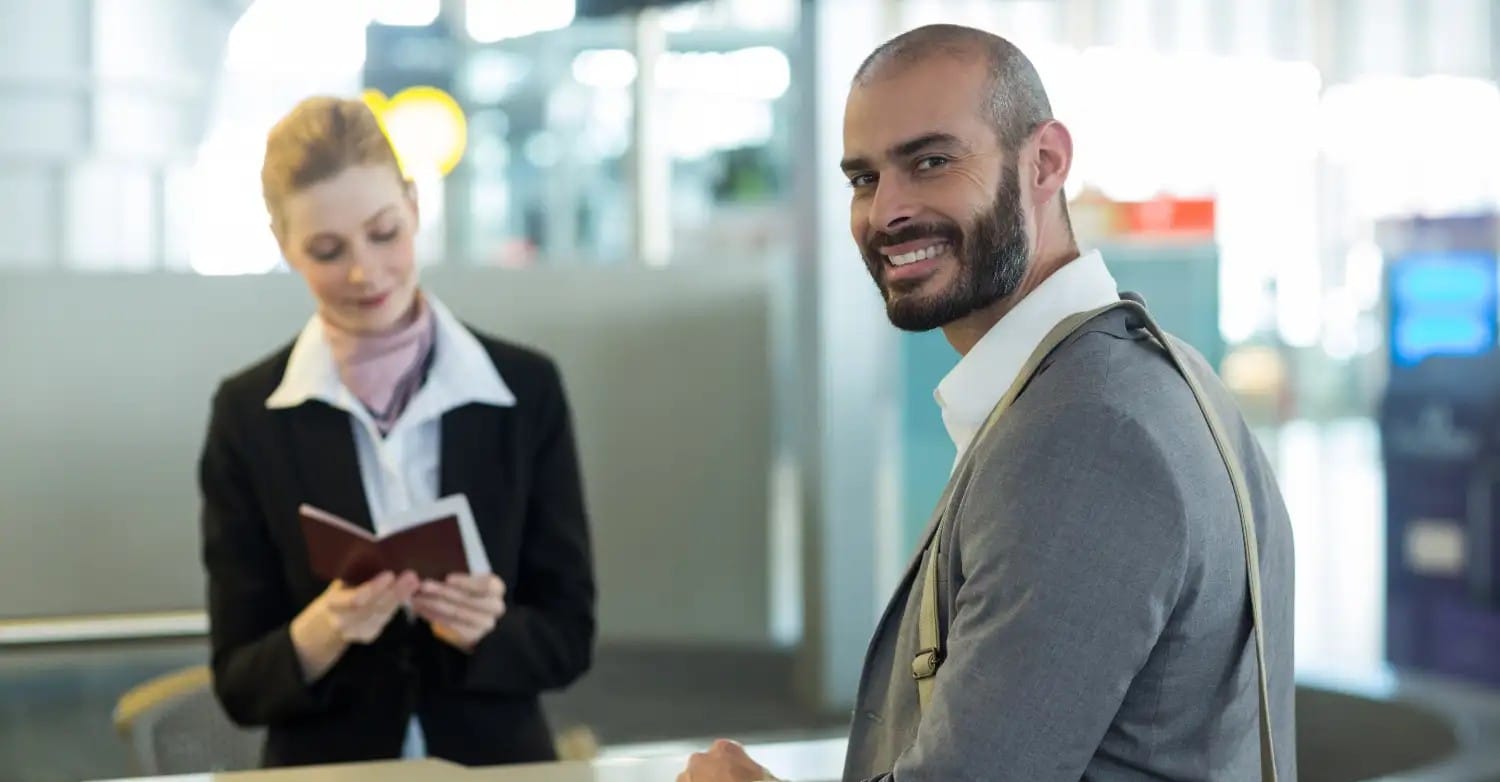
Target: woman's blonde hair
[317, 140]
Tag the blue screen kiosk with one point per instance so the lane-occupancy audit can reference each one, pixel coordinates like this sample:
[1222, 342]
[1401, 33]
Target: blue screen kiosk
[1440, 441]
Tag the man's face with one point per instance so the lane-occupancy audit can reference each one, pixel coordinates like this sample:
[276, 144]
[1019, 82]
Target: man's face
[936, 209]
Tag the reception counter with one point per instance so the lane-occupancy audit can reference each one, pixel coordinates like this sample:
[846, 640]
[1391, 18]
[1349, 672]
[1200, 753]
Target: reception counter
[1378, 726]
[1400, 729]
[795, 761]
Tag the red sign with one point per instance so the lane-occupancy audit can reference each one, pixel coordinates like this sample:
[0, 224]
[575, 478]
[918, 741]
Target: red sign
[1166, 217]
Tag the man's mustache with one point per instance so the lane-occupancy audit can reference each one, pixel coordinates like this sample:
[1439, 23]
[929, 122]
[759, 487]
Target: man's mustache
[914, 233]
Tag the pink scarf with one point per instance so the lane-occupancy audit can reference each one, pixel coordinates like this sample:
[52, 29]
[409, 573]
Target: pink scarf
[384, 371]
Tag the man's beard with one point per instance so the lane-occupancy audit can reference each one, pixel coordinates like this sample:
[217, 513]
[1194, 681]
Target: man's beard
[991, 255]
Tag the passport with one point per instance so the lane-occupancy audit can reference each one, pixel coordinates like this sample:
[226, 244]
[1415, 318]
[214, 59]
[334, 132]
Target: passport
[430, 541]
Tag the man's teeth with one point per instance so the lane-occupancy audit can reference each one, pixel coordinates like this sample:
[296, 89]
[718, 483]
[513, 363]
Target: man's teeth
[919, 255]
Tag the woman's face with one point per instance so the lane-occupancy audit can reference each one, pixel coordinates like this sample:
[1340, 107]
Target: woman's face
[351, 237]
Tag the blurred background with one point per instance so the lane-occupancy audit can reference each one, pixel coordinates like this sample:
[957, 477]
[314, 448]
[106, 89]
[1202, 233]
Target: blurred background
[1305, 190]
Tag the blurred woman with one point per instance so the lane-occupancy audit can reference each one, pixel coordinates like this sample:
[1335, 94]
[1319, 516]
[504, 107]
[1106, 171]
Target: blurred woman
[384, 402]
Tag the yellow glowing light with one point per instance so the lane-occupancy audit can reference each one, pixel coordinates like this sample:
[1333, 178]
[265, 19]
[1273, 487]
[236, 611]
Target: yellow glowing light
[426, 126]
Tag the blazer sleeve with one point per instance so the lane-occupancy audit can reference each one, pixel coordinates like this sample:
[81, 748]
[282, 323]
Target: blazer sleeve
[545, 639]
[257, 676]
[1073, 558]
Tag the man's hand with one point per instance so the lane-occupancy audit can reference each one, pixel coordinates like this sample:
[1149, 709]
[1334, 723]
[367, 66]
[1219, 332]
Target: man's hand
[462, 610]
[725, 761]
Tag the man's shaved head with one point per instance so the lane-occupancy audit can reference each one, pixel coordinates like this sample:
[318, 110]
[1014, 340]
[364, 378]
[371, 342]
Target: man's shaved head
[1017, 103]
[956, 168]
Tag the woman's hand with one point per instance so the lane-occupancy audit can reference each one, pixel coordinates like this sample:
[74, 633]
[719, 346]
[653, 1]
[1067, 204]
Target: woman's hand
[344, 615]
[463, 609]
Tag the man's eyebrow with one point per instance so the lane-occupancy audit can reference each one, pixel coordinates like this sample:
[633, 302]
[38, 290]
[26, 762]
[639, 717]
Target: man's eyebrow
[906, 149]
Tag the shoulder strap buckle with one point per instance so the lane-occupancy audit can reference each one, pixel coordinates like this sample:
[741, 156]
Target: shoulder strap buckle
[925, 664]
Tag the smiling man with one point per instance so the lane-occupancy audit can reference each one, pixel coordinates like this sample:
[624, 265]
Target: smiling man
[1082, 604]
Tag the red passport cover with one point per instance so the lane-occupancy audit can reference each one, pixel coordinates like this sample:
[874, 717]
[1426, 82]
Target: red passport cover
[339, 550]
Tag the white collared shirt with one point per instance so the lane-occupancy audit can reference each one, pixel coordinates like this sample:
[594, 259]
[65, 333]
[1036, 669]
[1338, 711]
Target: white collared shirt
[972, 388]
[402, 469]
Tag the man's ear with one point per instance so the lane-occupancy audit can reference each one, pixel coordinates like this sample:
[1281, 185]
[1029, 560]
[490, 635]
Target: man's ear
[1052, 158]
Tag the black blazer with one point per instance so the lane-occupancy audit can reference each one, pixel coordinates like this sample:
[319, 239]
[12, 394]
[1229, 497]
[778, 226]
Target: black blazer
[519, 468]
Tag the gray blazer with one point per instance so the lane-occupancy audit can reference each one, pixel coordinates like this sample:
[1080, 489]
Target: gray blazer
[1092, 591]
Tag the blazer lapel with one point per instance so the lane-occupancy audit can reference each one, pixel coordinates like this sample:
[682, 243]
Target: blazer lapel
[327, 466]
[471, 462]
[895, 608]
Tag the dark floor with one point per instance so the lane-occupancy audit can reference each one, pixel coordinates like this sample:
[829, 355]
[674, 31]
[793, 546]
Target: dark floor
[55, 703]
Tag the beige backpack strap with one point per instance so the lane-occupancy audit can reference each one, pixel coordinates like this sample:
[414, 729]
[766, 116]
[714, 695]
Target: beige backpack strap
[1247, 531]
[927, 662]
[924, 666]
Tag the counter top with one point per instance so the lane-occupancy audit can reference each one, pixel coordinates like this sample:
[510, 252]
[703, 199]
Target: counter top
[796, 761]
